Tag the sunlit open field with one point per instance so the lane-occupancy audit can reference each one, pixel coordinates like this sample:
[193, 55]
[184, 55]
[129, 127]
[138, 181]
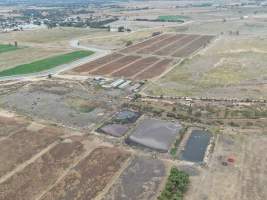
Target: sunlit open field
[230, 67]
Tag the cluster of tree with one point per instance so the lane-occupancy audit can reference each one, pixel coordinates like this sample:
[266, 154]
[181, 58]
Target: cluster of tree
[80, 23]
[176, 185]
[159, 20]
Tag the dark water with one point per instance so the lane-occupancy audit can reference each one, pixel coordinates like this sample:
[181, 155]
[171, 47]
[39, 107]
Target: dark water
[196, 146]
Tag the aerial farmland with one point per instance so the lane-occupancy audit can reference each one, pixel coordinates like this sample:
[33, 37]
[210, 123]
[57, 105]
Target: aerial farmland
[137, 100]
[146, 60]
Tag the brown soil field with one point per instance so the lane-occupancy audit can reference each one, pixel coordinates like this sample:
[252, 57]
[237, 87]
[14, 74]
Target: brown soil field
[37, 176]
[192, 47]
[9, 126]
[115, 65]
[131, 65]
[136, 67]
[22, 145]
[96, 63]
[155, 46]
[144, 44]
[155, 70]
[168, 50]
[90, 176]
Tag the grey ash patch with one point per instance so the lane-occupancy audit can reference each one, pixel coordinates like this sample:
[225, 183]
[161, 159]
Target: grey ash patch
[139, 181]
[66, 103]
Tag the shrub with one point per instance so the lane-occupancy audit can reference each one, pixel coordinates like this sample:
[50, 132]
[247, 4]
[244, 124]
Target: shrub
[176, 185]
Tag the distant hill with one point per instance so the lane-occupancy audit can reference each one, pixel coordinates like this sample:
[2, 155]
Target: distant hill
[42, 2]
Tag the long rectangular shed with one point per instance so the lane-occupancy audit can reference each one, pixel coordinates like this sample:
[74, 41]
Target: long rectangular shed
[117, 83]
[125, 84]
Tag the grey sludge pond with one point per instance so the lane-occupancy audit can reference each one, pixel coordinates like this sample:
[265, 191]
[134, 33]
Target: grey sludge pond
[155, 134]
[196, 146]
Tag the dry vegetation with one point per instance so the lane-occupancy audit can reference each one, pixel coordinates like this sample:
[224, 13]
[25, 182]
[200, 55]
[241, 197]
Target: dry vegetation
[44, 36]
[40, 43]
[244, 179]
[231, 67]
[45, 156]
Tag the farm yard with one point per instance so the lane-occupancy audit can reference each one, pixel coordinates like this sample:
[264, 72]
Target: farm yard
[145, 60]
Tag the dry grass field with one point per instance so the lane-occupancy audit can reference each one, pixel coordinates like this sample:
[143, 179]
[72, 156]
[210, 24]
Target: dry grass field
[245, 179]
[40, 43]
[229, 67]
[43, 35]
[27, 55]
[119, 40]
[37, 160]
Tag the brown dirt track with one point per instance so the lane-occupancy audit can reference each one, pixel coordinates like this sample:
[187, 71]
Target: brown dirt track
[140, 61]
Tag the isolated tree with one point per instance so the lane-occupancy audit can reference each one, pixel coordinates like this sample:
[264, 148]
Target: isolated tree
[16, 43]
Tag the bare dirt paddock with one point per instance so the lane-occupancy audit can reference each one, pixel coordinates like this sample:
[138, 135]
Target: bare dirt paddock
[147, 59]
[42, 162]
[245, 179]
